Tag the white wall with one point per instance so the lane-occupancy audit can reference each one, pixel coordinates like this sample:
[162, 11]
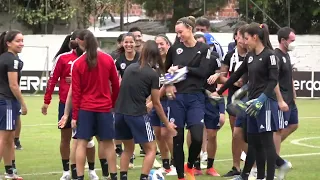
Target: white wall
[306, 56]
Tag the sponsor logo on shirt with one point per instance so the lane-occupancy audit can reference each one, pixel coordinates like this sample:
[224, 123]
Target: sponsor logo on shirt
[123, 65]
[15, 64]
[284, 59]
[273, 60]
[179, 51]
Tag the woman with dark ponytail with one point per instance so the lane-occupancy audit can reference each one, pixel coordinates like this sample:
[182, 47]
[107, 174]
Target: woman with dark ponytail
[68, 52]
[261, 110]
[92, 101]
[11, 99]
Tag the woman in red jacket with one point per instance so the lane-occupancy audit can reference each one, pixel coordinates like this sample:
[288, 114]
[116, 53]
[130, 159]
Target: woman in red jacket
[68, 52]
[92, 101]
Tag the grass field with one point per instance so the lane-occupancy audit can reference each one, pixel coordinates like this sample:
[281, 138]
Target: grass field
[40, 158]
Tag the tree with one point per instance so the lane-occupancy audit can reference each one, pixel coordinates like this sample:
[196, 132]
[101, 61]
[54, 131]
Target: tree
[179, 8]
[304, 15]
[38, 15]
[88, 12]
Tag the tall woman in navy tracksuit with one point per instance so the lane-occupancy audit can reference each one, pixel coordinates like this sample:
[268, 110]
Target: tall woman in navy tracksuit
[187, 97]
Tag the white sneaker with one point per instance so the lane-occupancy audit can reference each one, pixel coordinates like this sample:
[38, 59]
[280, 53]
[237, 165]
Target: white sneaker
[289, 164]
[204, 156]
[173, 171]
[12, 176]
[156, 164]
[162, 170]
[243, 156]
[131, 165]
[253, 174]
[66, 176]
[93, 175]
[282, 171]
[203, 166]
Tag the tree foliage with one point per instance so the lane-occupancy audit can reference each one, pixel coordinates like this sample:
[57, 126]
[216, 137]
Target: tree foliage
[36, 14]
[304, 18]
[180, 8]
[42, 15]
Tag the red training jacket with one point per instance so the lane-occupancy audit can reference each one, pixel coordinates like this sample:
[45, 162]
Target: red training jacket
[61, 70]
[91, 87]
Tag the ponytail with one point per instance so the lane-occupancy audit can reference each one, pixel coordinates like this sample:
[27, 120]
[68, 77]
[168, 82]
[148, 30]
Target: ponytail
[64, 47]
[91, 47]
[266, 39]
[7, 36]
[3, 44]
[70, 43]
[262, 31]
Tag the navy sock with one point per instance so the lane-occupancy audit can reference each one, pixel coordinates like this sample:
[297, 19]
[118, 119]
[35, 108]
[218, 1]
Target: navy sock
[74, 171]
[104, 167]
[123, 175]
[91, 165]
[65, 164]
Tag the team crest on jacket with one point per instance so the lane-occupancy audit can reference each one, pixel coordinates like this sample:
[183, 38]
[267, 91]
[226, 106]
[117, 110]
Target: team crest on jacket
[123, 65]
[284, 59]
[250, 59]
[179, 51]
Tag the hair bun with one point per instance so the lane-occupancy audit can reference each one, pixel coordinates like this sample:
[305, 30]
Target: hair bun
[192, 19]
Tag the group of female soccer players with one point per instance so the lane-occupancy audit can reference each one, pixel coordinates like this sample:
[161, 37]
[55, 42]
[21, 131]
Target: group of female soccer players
[128, 99]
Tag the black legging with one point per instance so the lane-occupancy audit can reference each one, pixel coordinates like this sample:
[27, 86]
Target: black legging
[260, 148]
[196, 133]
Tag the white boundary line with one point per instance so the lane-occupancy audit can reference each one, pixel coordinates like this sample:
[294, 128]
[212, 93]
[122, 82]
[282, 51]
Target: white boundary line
[50, 124]
[298, 142]
[139, 166]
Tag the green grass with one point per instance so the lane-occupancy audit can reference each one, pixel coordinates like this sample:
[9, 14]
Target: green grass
[40, 158]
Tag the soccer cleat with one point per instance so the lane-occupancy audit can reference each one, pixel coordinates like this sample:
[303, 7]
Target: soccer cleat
[156, 164]
[289, 164]
[173, 171]
[66, 176]
[12, 177]
[212, 172]
[232, 172]
[197, 172]
[189, 173]
[93, 175]
[283, 170]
